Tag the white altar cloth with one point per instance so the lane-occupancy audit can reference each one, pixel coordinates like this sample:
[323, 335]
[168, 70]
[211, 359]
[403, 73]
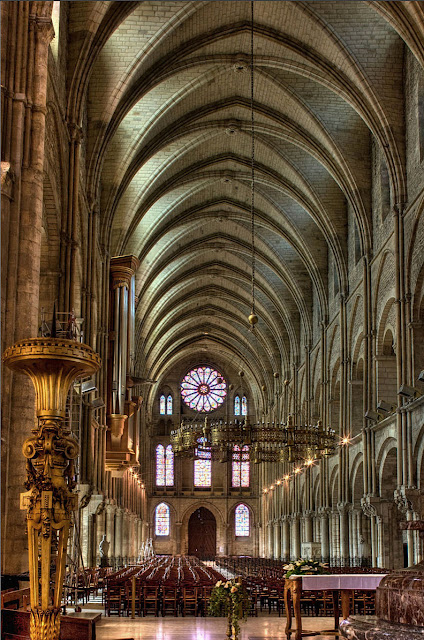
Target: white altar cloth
[363, 581]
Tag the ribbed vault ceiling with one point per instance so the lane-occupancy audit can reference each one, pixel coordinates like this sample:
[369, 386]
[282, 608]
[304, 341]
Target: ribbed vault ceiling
[169, 152]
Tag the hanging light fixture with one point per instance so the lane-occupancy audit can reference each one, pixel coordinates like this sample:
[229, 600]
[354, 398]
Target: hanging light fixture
[267, 441]
[185, 438]
[306, 442]
[253, 318]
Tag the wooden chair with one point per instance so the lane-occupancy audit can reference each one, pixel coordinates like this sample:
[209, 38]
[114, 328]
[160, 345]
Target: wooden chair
[138, 598]
[169, 600]
[204, 600]
[190, 600]
[273, 598]
[325, 604]
[310, 603]
[150, 599]
[253, 600]
[115, 599]
[15, 598]
[369, 603]
[280, 601]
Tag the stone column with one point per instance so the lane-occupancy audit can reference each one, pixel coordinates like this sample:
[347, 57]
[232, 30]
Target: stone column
[26, 87]
[118, 535]
[133, 537]
[270, 546]
[335, 539]
[343, 509]
[325, 542]
[374, 541]
[110, 530]
[285, 539]
[125, 536]
[139, 525]
[296, 547]
[277, 540]
[308, 527]
[100, 530]
[256, 541]
[354, 533]
[85, 535]
[178, 526]
[146, 531]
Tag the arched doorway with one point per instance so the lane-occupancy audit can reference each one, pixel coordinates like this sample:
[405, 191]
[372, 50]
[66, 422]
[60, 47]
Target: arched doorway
[202, 534]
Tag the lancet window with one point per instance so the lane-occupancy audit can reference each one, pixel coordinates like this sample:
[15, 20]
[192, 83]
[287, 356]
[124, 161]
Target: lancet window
[242, 520]
[162, 520]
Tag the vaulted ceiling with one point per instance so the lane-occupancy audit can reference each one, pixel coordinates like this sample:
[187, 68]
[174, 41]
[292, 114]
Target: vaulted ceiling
[168, 131]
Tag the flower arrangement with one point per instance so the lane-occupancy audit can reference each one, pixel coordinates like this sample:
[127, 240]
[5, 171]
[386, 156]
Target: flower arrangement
[305, 568]
[230, 598]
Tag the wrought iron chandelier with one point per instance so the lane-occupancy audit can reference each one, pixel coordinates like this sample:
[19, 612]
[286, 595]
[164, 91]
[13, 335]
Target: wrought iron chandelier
[267, 441]
[307, 441]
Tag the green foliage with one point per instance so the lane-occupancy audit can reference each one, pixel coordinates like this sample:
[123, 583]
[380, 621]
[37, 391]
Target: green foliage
[230, 599]
[305, 568]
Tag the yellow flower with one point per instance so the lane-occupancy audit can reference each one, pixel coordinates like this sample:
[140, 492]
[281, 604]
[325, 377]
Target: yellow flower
[234, 589]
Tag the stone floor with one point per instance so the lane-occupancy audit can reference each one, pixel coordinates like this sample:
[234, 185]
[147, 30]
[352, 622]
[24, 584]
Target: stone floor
[169, 628]
[264, 627]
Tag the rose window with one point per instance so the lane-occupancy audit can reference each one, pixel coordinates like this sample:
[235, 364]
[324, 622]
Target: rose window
[203, 389]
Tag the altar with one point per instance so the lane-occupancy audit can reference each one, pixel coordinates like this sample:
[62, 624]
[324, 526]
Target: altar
[343, 583]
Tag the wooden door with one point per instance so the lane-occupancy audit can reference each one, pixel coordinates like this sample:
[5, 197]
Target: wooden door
[202, 534]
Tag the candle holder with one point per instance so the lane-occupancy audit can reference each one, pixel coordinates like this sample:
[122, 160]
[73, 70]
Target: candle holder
[52, 364]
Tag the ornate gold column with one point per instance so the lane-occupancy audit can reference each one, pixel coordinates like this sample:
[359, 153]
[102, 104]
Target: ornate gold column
[52, 364]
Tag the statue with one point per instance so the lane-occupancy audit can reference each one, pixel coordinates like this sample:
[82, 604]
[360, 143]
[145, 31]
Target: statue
[141, 554]
[148, 549]
[151, 552]
[104, 550]
[364, 551]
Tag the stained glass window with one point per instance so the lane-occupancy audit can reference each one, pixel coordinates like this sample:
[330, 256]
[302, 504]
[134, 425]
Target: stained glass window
[169, 405]
[244, 406]
[164, 466]
[160, 465]
[202, 465]
[203, 389]
[240, 466]
[162, 520]
[169, 466]
[162, 405]
[242, 520]
[237, 406]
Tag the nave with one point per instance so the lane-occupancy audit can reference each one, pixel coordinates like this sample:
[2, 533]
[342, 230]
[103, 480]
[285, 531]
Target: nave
[212, 298]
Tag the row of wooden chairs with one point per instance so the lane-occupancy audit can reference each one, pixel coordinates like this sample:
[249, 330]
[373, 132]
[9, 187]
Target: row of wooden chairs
[315, 603]
[157, 600]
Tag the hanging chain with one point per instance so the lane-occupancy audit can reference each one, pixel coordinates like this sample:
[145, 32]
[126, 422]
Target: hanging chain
[252, 199]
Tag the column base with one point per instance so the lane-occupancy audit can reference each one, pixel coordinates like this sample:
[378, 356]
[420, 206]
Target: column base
[44, 625]
[372, 628]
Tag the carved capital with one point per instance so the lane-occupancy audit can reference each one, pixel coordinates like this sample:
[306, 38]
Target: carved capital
[122, 269]
[85, 500]
[43, 28]
[401, 501]
[344, 507]
[367, 507]
[7, 180]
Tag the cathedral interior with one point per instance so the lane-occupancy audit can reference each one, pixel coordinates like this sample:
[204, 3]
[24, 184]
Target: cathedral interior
[224, 200]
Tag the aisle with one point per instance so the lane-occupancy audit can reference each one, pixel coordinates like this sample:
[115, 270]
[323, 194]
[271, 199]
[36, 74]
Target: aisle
[169, 628]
